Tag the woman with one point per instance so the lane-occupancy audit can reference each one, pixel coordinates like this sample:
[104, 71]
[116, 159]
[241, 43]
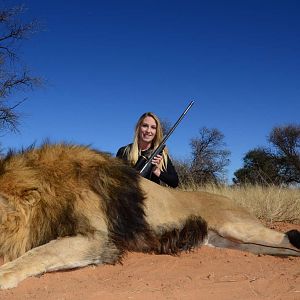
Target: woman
[148, 135]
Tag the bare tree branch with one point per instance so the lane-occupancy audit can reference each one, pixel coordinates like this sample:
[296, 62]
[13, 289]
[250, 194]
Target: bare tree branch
[14, 76]
[210, 157]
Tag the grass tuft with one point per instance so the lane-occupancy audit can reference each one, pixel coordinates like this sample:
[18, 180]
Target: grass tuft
[270, 204]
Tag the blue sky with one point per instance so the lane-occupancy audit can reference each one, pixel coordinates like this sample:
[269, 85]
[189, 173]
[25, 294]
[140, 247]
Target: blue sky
[107, 62]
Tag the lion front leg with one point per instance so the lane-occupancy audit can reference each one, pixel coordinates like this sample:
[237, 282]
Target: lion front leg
[60, 254]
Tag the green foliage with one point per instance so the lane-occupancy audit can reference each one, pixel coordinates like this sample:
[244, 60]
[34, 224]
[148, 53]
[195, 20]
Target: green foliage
[278, 166]
[260, 167]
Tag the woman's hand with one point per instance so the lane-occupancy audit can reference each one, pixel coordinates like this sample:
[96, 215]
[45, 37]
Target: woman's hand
[156, 162]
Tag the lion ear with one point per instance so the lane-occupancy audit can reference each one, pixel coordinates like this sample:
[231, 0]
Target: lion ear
[31, 197]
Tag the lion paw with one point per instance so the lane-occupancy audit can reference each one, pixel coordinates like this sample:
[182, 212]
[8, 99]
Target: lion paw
[8, 280]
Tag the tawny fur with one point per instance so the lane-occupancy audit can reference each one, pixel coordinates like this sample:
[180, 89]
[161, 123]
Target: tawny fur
[65, 206]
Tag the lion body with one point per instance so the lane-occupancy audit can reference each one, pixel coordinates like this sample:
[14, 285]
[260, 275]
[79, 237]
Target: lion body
[66, 206]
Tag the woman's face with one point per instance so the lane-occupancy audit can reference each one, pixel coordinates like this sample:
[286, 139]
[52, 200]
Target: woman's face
[147, 130]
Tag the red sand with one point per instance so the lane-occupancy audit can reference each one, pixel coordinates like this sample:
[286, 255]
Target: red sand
[205, 273]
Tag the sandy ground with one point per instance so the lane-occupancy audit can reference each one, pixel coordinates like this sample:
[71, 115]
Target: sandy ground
[205, 273]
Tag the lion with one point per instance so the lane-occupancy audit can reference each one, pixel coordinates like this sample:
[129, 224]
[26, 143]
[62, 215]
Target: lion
[65, 206]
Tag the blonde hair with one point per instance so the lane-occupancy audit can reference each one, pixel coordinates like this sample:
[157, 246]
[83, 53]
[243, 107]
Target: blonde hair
[132, 151]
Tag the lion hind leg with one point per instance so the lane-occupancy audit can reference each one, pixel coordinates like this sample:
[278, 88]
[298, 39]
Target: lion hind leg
[256, 238]
[61, 254]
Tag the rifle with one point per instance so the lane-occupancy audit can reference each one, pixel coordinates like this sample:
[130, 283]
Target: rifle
[144, 165]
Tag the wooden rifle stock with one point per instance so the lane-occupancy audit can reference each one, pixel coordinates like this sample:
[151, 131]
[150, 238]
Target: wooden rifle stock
[144, 165]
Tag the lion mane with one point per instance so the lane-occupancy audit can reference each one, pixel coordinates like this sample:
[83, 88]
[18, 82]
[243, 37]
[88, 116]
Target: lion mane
[42, 191]
[64, 206]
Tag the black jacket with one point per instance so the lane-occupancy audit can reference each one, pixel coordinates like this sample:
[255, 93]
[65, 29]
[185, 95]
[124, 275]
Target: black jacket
[168, 176]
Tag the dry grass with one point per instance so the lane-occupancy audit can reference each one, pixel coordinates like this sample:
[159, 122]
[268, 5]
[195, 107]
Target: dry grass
[270, 204]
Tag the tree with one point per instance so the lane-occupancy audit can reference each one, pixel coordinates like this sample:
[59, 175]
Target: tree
[286, 140]
[183, 170]
[279, 165]
[166, 126]
[209, 156]
[14, 76]
[260, 167]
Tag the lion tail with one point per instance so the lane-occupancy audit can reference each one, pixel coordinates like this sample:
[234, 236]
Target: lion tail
[294, 237]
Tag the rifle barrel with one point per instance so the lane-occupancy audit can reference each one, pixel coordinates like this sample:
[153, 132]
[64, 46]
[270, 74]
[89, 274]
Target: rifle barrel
[178, 121]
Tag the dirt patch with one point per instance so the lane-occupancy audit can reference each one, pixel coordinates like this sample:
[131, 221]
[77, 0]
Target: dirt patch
[206, 273]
